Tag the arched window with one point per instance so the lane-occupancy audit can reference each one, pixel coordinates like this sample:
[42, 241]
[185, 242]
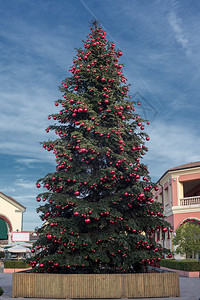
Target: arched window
[3, 230]
[194, 221]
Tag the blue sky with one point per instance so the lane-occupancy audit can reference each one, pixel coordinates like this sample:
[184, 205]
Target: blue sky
[160, 42]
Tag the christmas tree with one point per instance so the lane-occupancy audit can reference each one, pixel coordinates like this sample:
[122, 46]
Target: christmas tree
[98, 211]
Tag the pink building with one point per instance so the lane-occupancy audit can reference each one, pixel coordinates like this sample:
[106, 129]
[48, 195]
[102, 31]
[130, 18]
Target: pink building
[179, 193]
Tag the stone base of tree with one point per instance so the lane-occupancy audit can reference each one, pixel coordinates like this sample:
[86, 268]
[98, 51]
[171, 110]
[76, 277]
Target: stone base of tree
[183, 273]
[74, 286]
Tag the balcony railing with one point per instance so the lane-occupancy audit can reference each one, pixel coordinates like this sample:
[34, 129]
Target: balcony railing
[190, 201]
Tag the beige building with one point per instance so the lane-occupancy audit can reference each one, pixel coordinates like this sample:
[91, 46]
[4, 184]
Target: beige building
[11, 218]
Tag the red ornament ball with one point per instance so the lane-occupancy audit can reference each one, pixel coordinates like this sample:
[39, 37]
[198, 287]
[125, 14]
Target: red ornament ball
[87, 221]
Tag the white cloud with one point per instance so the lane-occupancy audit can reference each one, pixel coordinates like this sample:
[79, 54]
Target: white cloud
[25, 197]
[8, 190]
[25, 184]
[33, 40]
[29, 162]
[23, 120]
[35, 163]
[31, 220]
[176, 23]
[171, 144]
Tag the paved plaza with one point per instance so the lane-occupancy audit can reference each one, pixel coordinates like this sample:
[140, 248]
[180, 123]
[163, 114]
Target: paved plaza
[189, 288]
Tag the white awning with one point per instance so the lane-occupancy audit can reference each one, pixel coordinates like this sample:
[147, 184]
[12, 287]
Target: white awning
[18, 249]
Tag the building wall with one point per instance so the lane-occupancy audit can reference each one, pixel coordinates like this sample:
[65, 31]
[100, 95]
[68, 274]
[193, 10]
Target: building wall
[12, 213]
[171, 189]
[179, 218]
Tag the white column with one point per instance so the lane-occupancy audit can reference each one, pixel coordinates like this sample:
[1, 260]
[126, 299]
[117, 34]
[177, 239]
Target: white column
[9, 237]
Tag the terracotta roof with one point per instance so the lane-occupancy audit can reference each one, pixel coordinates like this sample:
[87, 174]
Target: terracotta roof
[12, 199]
[182, 167]
[186, 166]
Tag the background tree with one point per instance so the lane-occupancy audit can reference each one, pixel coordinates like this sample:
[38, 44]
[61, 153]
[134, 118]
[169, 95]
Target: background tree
[188, 240]
[98, 211]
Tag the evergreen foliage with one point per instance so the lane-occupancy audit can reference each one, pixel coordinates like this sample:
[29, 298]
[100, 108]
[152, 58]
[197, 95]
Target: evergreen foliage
[98, 211]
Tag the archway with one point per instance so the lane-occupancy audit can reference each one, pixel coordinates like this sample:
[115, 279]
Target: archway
[5, 229]
[193, 221]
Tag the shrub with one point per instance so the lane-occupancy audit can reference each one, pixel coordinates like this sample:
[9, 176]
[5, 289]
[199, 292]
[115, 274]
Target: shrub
[187, 239]
[1, 291]
[2, 255]
[14, 264]
[185, 264]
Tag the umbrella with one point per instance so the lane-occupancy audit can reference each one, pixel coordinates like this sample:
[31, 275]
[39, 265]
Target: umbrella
[2, 249]
[18, 249]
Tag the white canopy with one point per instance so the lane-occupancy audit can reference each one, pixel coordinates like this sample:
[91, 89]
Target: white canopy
[18, 249]
[25, 244]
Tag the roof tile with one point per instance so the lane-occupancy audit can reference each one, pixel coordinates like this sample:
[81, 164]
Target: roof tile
[186, 166]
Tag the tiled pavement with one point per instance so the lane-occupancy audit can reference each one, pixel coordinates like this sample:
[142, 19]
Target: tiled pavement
[189, 289]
